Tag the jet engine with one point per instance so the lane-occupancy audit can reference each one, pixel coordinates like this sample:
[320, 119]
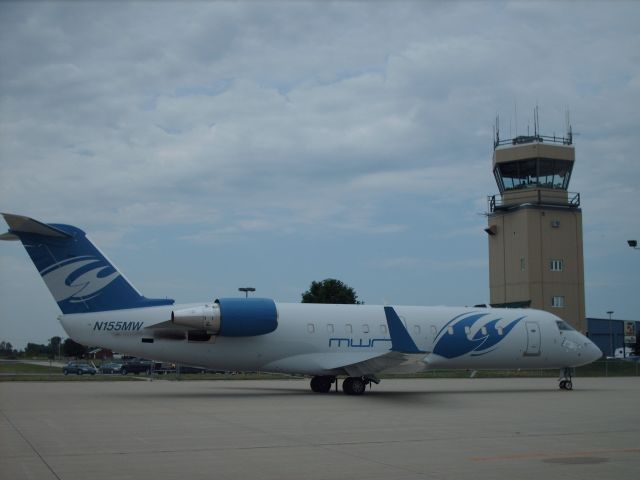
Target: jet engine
[230, 317]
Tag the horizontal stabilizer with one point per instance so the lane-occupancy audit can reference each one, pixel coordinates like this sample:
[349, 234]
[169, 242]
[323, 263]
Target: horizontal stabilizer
[19, 224]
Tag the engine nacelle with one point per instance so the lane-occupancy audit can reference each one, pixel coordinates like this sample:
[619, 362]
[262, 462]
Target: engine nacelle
[230, 317]
[202, 317]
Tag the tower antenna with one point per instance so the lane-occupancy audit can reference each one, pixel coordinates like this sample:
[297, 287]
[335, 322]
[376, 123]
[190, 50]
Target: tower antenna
[568, 127]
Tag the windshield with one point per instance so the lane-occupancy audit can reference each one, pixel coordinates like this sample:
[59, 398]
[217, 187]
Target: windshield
[564, 326]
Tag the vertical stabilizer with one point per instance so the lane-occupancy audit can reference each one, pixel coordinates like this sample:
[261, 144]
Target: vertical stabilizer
[78, 275]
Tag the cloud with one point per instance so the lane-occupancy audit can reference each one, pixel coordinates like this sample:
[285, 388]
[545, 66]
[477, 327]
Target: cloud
[431, 264]
[298, 122]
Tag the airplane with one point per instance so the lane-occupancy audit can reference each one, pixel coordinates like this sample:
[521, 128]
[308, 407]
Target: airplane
[358, 343]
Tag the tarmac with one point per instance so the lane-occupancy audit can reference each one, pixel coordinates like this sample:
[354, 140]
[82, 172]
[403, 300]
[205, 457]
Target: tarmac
[520, 428]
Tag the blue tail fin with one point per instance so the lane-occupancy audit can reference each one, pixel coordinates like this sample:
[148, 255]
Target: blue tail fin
[78, 275]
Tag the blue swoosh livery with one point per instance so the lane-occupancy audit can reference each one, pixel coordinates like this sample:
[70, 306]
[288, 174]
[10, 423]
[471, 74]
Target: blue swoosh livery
[453, 341]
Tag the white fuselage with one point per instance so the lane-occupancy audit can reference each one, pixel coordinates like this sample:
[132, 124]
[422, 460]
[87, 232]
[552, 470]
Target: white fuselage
[317, 339]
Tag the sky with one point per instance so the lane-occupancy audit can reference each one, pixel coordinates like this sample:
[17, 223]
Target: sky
[206, 146]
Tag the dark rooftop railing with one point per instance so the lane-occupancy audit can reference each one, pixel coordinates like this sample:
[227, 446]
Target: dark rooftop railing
[522, 139]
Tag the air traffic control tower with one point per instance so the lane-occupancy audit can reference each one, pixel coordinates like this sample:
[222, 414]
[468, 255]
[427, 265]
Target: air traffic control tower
[535, 228]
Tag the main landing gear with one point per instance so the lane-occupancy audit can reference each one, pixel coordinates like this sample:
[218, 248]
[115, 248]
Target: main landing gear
[354, 385]
[322, 384]
[565, 379]
[350, 385]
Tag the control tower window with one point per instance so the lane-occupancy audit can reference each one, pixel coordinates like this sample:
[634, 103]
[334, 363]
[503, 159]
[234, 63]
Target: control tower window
[519, 174]
[554, 173]
[533, 173]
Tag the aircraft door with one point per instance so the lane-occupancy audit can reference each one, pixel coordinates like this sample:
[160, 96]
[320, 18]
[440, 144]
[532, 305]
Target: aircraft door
[533, 339]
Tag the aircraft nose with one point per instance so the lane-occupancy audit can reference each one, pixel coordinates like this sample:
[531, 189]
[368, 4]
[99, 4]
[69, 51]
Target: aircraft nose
[593, 352]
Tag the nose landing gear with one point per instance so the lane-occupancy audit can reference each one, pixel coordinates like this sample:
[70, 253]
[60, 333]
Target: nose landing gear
[565, 379]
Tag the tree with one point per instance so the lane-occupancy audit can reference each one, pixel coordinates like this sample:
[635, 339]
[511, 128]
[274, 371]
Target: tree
[6, 349]
[54, 346]
[73, 349]
[330, 290]
[36, 350]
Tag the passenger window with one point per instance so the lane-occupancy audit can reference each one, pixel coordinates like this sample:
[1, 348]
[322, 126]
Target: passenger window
[365, 328]
[348, 328]
[330, 327]
[450, 330]
[383, 329]
[311, 327]
[467, 330]
[434, 331]
[416, 329]
[500, 331]
[484, 330]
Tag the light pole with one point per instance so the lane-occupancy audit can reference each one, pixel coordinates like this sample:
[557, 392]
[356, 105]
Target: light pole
[610, 312]
[246, 291]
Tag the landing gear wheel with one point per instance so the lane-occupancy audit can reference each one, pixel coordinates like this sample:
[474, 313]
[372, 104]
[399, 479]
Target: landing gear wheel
[354, 386]
[321, 384]
[565, 379]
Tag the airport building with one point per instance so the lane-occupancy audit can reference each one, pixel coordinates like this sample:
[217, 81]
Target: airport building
[611, 335]
[535, 228]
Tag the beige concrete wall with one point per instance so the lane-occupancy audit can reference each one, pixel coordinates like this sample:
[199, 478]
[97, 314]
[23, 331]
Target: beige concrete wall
[533, 150]
[507, 280]
[529, 234]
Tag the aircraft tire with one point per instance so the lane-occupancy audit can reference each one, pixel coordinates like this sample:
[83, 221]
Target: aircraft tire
[354, 386]
[321, 384]
[568, 385]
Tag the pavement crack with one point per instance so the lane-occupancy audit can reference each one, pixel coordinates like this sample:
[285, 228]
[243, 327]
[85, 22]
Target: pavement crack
[35, 450]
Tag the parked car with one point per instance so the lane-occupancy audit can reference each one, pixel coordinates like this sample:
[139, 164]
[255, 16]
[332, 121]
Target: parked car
[621, 353]
[78, 368]
[111, 367]
[137, 365]
[625, 354]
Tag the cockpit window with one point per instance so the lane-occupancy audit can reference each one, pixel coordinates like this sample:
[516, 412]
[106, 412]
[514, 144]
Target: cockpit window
[564, 326]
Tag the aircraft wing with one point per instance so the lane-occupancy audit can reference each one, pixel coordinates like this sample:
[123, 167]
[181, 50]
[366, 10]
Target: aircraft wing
[391, 362]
